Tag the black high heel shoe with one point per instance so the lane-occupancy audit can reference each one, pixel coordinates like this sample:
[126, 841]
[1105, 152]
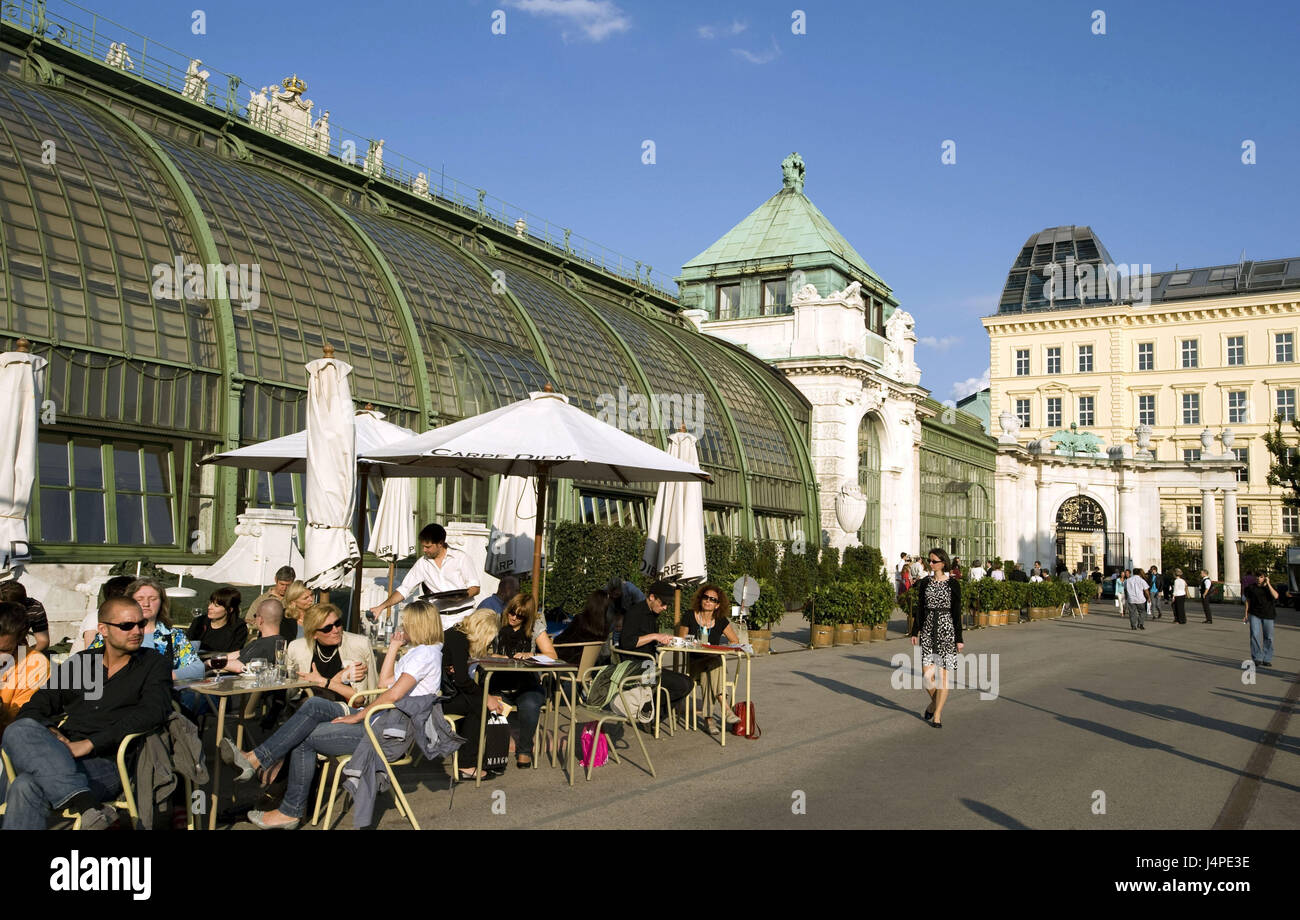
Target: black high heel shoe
[936, 724]
[928, 714]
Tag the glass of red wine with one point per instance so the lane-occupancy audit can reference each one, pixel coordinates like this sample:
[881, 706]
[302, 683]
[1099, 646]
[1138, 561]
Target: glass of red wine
[217, 662]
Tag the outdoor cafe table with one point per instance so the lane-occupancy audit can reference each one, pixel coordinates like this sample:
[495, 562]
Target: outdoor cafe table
[490, 666]
[223, 688]
[721, 651]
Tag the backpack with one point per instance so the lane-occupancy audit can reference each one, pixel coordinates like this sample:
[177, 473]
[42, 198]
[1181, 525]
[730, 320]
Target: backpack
[604, 685]
[641, 702]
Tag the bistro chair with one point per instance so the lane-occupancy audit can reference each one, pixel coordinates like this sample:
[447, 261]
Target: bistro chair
[585, 714]
[127, 798]
[660, 692]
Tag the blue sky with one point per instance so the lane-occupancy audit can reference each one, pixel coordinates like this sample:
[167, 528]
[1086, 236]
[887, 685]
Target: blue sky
[1137, 132]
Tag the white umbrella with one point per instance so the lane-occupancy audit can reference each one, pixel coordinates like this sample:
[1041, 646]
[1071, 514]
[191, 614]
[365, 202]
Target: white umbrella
[543, 436]
[20, 406]
[289, 453]
[331, 550]
[510, 546]
[674, 548]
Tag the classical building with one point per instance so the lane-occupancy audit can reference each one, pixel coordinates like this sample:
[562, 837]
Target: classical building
[178, 254]
[1185, 369]
[786, 285]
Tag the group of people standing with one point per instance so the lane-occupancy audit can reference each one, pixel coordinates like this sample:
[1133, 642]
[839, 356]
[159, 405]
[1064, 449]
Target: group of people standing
[1142, 593]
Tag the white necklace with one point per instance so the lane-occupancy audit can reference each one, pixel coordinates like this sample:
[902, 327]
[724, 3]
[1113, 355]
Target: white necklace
[322, 657]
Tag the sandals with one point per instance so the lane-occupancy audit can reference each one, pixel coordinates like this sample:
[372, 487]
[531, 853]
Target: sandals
[711, 726]
[523, 764]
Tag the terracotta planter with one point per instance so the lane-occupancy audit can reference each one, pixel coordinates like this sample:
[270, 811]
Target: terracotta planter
[761, 639]
[880, 632]
[844, 634]
[822, 636]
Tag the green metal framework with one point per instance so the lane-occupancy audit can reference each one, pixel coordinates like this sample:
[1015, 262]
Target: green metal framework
[957, 493]
[442, 314]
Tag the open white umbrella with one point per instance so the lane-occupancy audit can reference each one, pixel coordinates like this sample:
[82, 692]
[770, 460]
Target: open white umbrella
[674, 547]
[331, 550]
[289, 453]
[510, 546]
[542, 436]
[20, 409]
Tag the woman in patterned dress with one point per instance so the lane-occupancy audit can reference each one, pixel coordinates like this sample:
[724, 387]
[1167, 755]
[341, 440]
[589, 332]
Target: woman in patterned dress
[937, 626]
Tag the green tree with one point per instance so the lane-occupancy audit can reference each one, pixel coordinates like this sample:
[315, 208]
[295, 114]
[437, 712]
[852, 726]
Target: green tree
[1284, 471]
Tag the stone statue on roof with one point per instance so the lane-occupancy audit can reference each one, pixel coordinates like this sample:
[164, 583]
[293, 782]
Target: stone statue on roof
[1069, 443]
[792, 172]
[196, 82]
[320, 132]
[373, 165]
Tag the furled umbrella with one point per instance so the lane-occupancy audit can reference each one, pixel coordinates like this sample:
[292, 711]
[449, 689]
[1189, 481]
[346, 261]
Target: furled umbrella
[393, 537]
[542, 436]
[514, 520]
[674, 546]
[331, 548]
[20, 408]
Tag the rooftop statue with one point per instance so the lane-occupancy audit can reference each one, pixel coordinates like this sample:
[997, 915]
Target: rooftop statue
[257, 107]
[421, 188]
[792, 172]
[118, 57]
[1069, 443]
[374, 163]
[196, 82]
[320, 133]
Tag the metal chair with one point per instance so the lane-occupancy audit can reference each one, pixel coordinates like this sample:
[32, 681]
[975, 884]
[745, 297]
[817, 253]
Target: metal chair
[585, 714]
[127, 798]
[660, 689]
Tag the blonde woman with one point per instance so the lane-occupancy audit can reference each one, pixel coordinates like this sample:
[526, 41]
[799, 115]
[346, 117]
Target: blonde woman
[522, 633]
[321, 726]
[471, 638]
[319, 655]
[298, 599]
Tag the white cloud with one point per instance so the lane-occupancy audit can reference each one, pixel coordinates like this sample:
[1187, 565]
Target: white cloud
[759, 57]
[734, 28]
[964, 388]
[950, 403]
[598, 19]
[943, 344]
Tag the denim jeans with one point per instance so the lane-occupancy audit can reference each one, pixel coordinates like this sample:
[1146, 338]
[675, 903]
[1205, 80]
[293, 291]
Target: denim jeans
[1261, 639]
[46, 776]
[309, 731]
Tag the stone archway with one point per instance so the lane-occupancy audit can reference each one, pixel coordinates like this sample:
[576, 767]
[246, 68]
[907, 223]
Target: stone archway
[1081, 535]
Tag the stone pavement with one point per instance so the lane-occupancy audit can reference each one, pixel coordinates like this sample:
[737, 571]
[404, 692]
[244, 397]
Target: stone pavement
[1157, 727]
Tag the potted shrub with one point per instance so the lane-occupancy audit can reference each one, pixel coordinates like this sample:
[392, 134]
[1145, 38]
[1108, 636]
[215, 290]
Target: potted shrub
[1087, 590]
[851, 613]
[766, 612]
[1040, 597]
[1011, 597]
[880, 607]
[827, 607]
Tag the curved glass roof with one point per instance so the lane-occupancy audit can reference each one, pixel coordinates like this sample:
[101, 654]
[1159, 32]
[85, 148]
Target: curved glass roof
[82, 234]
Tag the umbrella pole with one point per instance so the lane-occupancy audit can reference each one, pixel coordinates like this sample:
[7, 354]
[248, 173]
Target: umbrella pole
[539, 528]
[677, 607]
[354, 612]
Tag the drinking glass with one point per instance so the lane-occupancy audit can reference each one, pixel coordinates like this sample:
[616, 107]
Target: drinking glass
[282, 658]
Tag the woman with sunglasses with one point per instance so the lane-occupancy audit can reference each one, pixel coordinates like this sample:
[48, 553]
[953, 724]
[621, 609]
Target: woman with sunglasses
[937, 624]
[319, 655]
[158, 632]
[708, 613]
[522, 633]
[322, 726]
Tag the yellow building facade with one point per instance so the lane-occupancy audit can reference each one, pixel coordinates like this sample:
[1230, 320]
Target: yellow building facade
[1205, 357]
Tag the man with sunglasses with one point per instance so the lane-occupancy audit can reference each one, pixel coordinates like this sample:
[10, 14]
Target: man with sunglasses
[64, 742]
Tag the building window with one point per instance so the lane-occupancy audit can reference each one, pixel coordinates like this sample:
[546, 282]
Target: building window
[1053, 412]
[1243, 519]
[1291, 520]
[1191, 408]
[1242, 454]
[1085, 359]
[774, 300]
[94, 491]
[1284, 347]
[1146, 410]
[729, 301]
[1146, 356]
[1236, 350]
[1286, 404]
[1191, 454]
[1237, 407]
[1190, 353]
[615, 510]
[1193, 517]
[1087, 416]
[1054, 360]
[1022, 362]
[1022, 412]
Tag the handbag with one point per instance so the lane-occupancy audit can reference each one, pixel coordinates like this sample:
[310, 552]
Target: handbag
[748, 725]
[496, 742]
[602, 749]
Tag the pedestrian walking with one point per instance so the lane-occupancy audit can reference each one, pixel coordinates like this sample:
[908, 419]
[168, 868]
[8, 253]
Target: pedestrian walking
[1205, 595]
[1179, 590]
[937, 628]
[1261, 600]
[1136, 595]
[1153, 579]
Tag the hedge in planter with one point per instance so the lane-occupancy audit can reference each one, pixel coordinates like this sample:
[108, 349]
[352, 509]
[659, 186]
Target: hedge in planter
[793, 580]
[744, 560]
[584, 557]
[717, 560]
[768, 610]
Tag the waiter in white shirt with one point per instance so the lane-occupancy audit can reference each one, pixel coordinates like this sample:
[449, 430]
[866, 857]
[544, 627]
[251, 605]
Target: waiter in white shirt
[438, 570]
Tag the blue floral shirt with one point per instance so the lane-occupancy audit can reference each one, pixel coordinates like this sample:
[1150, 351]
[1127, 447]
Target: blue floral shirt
[185, 661]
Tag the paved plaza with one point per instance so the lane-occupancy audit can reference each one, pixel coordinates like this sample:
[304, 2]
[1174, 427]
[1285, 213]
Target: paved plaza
[1156, 726]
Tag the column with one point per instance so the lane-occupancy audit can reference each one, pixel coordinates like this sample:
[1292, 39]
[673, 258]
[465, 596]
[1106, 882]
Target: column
[1045, 549]
[1231, 567]
[1209, 554]
[1130, 526]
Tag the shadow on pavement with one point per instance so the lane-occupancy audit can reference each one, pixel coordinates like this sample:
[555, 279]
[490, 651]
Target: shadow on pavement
[1000, 818]
[865, 695]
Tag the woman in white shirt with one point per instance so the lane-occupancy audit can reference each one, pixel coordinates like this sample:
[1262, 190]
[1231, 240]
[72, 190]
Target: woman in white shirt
[330, 728]
[1180, 597]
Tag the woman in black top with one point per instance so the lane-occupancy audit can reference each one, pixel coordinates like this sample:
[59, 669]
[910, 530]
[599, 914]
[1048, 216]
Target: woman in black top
[937, 623]
[221, 629]
[462, 695]
[707, 616]
[588, 626]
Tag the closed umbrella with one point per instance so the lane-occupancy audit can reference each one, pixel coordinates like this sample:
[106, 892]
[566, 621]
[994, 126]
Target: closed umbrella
[394, 535]
[510, 546]
[674, 547]
[542, 436]
[331, 550]
[20, 405]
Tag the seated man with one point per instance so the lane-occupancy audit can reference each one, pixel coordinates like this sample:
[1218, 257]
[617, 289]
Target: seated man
[63, 745]
[284, 577]
[640, 625]
[506, 589]
[12, 592]
[22, 669]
